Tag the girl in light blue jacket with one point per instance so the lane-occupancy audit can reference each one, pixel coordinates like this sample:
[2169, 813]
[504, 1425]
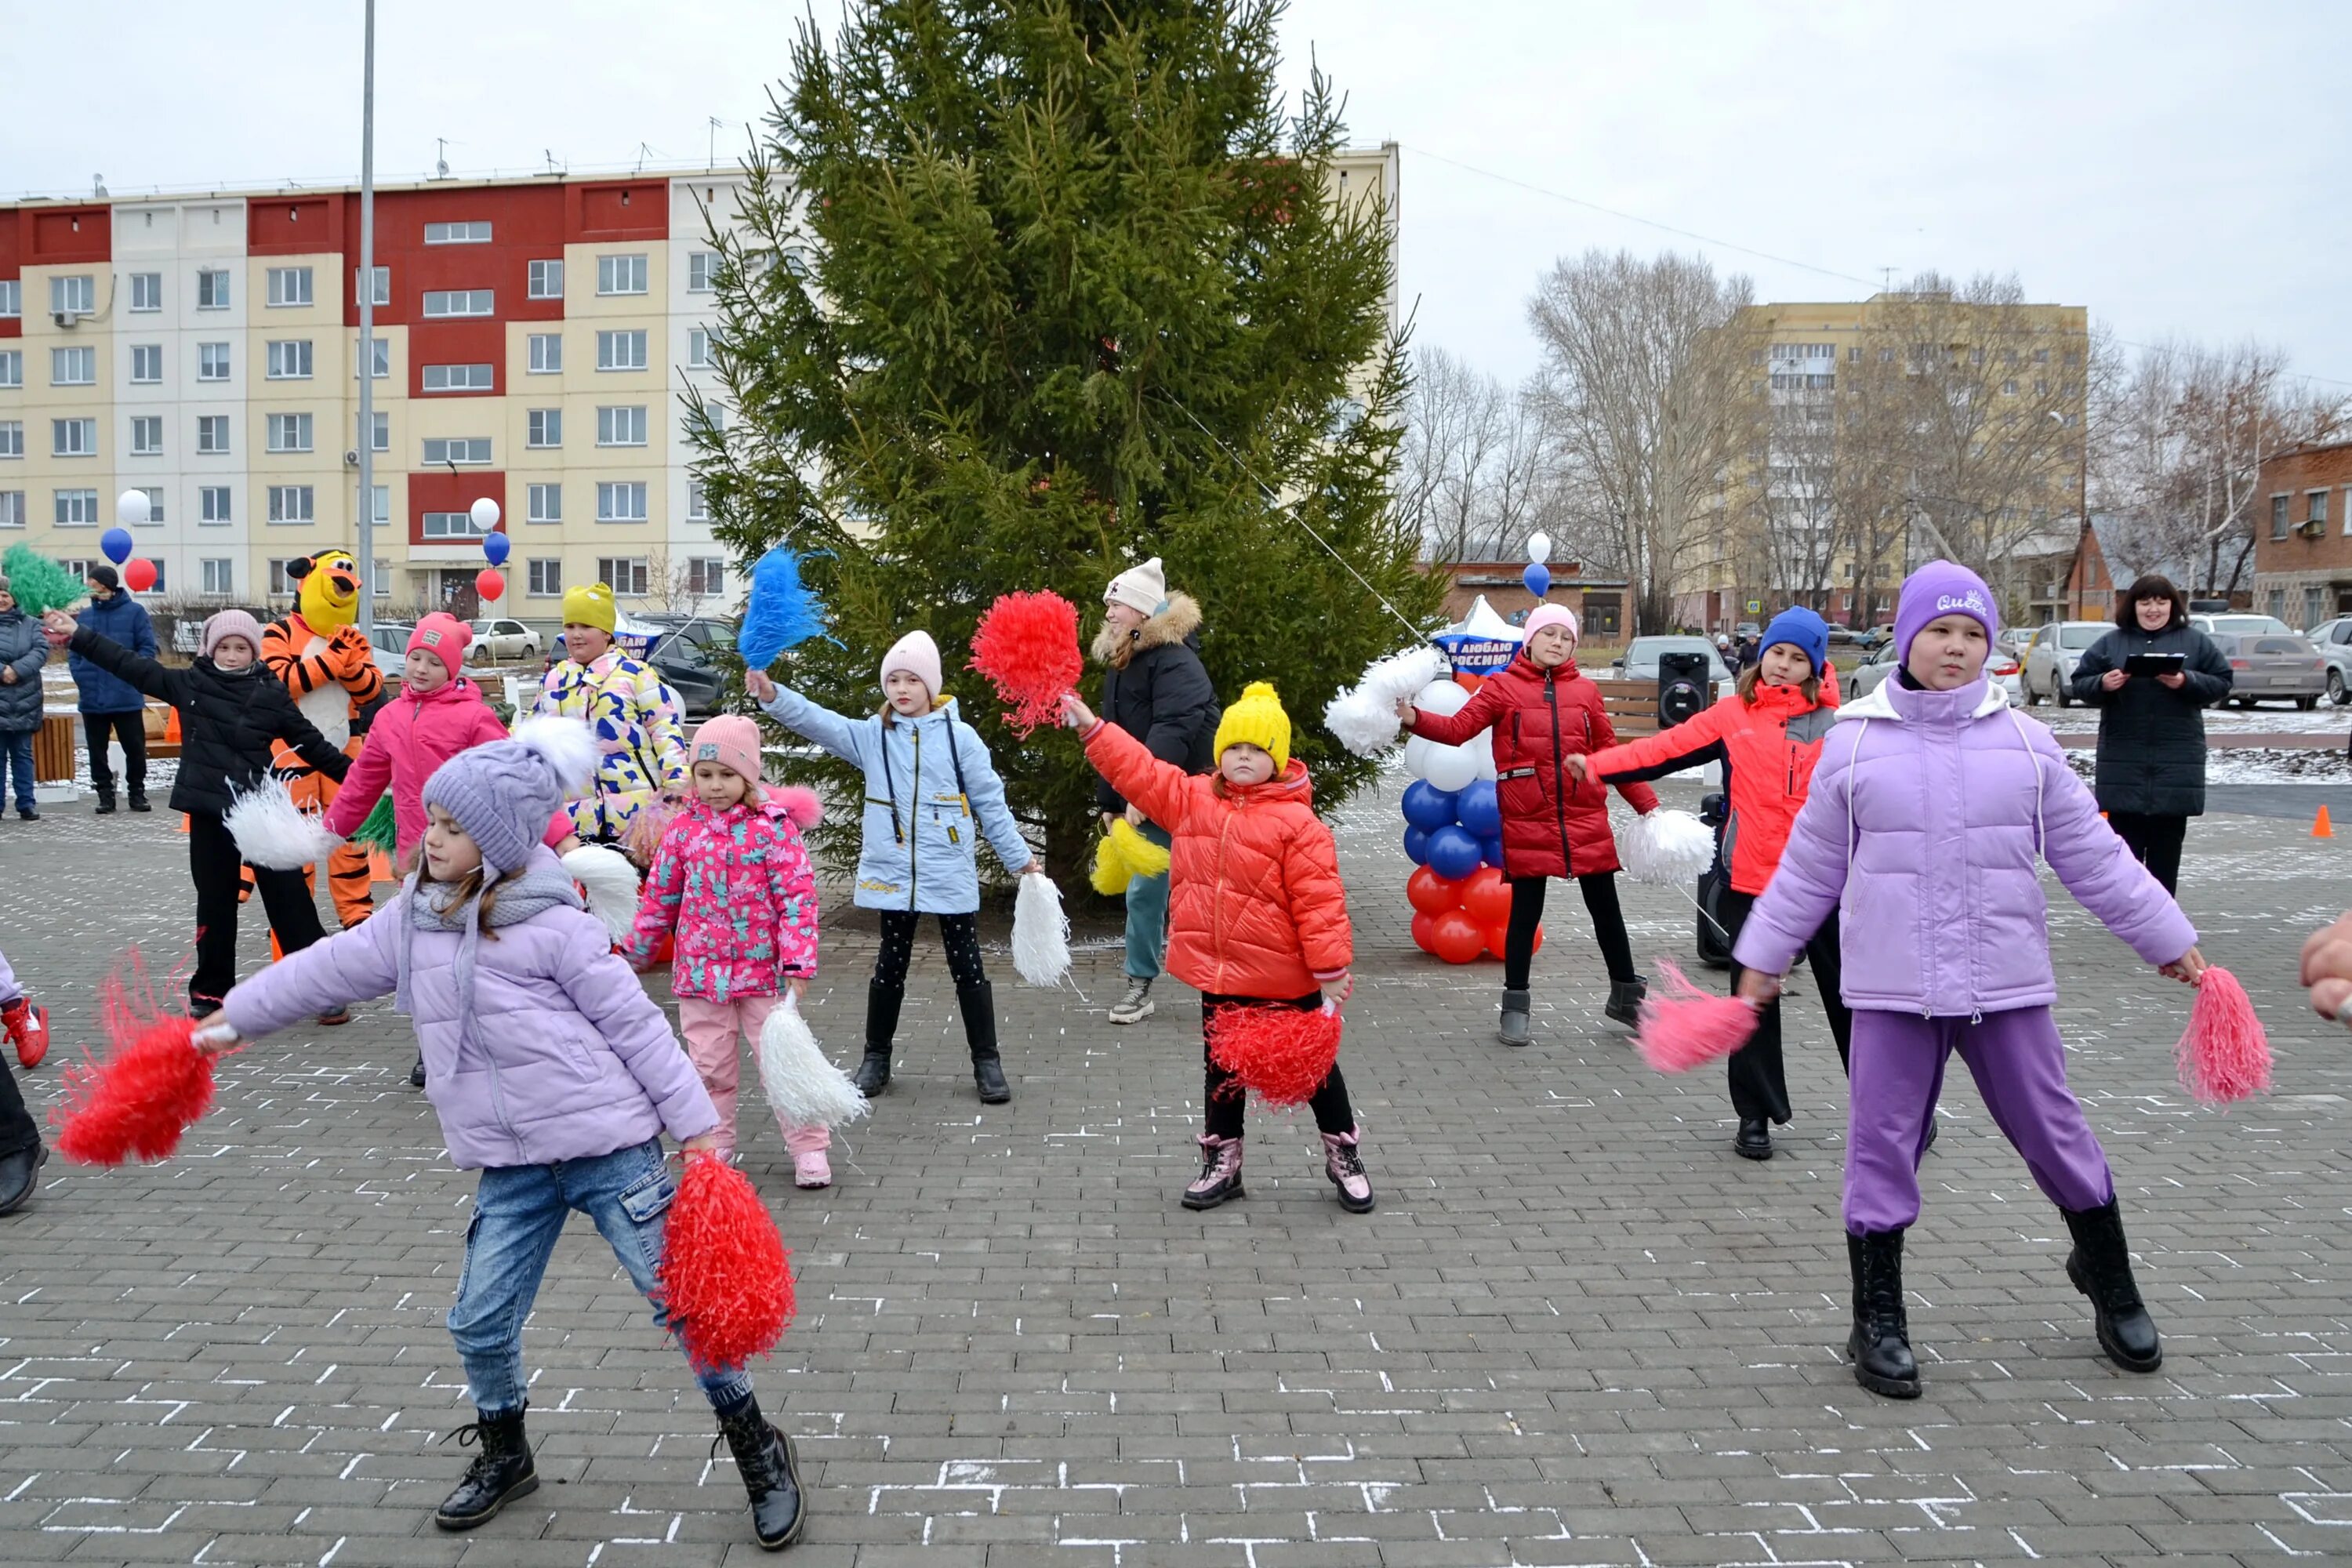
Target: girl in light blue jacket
[932, 795]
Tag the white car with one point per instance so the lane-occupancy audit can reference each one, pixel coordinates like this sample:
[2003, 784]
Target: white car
[498, 638]
[2051, 657]
[1871, 673]
[2242, 625]
[2333, 640]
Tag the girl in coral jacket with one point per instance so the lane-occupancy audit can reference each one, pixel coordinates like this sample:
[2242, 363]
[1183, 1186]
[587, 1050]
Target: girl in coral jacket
[1932, 807]
[733, 881]
[1555, 824]
[1257, 917]
[1767, 735]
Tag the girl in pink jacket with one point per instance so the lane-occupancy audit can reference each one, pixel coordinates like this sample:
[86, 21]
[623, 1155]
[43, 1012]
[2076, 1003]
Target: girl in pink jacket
[733, 881]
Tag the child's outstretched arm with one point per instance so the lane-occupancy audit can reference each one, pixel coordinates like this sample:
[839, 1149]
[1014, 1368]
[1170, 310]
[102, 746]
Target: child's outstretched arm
[371, 775]
[987, 801]
[1486, 705]
[609, 996]
[1638, 795]
[2098, 868]
[797, 713]
[1693, 743]
[1808, 884]
[791, 887]
[355, 965]
[657, 906]
[151, 678]
[1157, 788]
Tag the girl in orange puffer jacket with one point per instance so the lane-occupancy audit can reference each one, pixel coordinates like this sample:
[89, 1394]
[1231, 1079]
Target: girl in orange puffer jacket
[1256, 914]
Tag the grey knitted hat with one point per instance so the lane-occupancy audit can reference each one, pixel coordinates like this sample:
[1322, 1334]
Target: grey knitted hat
[504, 794]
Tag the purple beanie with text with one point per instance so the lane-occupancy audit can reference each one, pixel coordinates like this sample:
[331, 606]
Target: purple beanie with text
[1937, 589]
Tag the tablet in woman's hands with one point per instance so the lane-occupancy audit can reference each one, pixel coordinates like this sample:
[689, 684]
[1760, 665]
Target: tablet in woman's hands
[2156, 664]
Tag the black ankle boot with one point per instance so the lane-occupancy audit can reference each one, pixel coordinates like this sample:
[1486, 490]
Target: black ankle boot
[1754, 1140]
[105, 804]
[501, 1472]
[882, 1004]
[2100, 1267]
[1625, 1001]
[770, 1472]
[1880, 1341]
[139, 801]
[977, 1004]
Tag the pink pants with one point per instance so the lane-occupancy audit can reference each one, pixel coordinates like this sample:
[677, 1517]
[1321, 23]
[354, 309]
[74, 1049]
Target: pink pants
[711, 1028]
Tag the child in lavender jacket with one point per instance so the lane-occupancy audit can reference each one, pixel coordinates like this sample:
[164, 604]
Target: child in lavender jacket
[1932, 807]
[552, 1073]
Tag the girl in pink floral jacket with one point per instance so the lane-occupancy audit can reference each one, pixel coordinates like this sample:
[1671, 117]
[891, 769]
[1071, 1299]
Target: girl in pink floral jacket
[733, 881]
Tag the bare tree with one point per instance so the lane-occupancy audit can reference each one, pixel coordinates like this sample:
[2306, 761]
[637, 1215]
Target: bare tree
[674, 586]
[1478, 466]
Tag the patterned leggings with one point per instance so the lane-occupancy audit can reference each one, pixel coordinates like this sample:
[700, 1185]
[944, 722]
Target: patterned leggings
[959, 934]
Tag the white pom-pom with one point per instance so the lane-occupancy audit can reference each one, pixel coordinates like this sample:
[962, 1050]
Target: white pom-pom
[610, 883]
[272, 832]
[1666, 848]
[803, 1089]
[1041, 932]
[567, 744]
[1363, 717]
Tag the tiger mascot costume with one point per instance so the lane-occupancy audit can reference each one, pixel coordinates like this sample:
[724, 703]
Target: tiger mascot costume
[329, 670]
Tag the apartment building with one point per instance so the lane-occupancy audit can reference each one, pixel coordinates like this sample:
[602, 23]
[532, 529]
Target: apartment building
[532, 338]
[2302, 533]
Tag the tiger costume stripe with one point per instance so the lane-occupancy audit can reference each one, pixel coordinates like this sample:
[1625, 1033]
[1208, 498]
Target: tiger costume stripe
[330, 670]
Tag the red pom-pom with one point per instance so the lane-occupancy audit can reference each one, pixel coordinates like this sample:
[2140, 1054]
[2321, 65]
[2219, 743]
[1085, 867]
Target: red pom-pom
[1280, 1052]
[726, 1278]
[139, 1102]
[1027, 646]
[1688, 1025]
[2225, 1056]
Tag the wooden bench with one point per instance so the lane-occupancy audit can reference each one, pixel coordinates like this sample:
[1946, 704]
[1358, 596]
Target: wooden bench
[1632, 707]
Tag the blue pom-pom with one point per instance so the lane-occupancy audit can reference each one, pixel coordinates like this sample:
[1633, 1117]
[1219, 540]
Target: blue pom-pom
[781, 612]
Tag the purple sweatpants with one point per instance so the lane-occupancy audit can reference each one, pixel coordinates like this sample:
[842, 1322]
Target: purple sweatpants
[2020, 1065]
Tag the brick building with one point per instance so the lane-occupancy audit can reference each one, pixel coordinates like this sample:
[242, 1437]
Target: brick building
[1596, 603]
[2302, 533]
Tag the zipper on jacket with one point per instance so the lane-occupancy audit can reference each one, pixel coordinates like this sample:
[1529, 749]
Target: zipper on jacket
[1217, 905]
[914, 822]
[1558, 780]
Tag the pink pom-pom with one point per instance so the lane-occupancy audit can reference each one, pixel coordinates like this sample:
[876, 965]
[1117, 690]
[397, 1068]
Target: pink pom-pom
[799, 806]
[1688, 1025]
[2224, 1056]
[1027, 646]
[726, 1278]
[139, 1102]
[1281, 1053]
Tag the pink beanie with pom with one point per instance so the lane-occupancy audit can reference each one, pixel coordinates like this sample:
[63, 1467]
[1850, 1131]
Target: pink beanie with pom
[1544, 615]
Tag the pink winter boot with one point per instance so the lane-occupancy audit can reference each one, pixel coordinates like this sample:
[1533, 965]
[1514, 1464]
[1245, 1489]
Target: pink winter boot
[1221, 1173]
[1347, 1171]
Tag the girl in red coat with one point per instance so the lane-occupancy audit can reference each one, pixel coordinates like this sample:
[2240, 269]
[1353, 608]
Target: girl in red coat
[1555, 824]
[1256, 916]
[1767, 736]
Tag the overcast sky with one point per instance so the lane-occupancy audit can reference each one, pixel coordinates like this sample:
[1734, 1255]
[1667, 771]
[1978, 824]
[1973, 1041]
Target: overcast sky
[2179, 168]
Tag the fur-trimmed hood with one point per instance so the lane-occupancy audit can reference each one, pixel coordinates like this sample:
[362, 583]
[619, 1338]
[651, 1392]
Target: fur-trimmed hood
[1178, 620]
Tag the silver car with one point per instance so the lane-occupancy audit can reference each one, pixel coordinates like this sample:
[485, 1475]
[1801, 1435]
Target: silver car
[498, 637]
[2001, 666]
[2265, 668]
[2051, 657]
[2333, 640]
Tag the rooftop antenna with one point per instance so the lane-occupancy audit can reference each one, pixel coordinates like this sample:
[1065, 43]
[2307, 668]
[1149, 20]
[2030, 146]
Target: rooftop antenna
[715, 123]
[1887, 280]
[552, 167]
[643, 150]
[440, 157]
[97, 184]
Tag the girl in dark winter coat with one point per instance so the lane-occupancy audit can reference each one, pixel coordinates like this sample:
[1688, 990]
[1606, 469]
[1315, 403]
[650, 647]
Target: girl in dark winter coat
[2151, 767]
[23, 651]
[1544, 712]
[231, 711]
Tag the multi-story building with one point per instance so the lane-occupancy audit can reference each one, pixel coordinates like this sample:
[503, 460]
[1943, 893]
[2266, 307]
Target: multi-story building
[532, 338]
[2302, 533]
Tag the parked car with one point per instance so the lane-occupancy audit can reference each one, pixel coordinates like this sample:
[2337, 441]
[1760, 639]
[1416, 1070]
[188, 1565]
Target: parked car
[1872, 672]
[2265, 667]
[2333, 640]
[689, 668]
[499, 637]
[2240, 625]
[2051, 657]
[390, 643]
[1640, 659]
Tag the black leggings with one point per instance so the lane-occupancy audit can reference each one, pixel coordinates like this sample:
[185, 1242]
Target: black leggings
[958, 934]
[1223, 1097]
[2155, 840]
[1599, 890]
[1759, 1083]
[216, 869]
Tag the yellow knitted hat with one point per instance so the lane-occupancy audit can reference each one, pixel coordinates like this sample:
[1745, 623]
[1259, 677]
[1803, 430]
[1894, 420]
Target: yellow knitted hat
[1259, 719]
[589, 604]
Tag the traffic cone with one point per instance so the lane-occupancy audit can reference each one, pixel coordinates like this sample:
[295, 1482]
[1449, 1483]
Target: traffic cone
[2320, 827]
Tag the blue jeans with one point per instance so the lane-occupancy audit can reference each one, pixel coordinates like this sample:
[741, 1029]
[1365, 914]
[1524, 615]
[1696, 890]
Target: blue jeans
[519, 1211]
[16, 753]
[1147, 916]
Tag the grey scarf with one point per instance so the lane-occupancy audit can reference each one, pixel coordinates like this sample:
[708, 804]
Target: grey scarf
[430, 905]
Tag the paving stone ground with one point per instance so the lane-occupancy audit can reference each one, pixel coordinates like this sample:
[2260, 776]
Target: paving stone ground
[1577, 1330]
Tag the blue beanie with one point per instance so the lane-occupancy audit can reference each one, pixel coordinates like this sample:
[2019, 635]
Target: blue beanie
[1801, 628]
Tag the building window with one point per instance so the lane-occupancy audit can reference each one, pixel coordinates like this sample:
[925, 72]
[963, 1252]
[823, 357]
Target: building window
[546, 354]
[382, 356]
[698, 349]
[2008, 389]
[620, 275]
[278, 582]
[212, 289]
[460, 377]
[12, 438]
[478, 232]
[289, 286]
[621, 426]
[157, 586]
[155, 494]
[621, 351]
[382, 421]
[290, 361]
[546, 281]
[383, 508]
[383, 578]
[218, 575]
[73, 437]
[621, 503]
[11, 367]
[452, 525]
[2278, 517]
[546, 428]
[211, 361]
[441, 303]
[146, 290]
[213, 504]
[622, 575]
[705, 575]
[11, 509]
[289, 432]
[76, 508]
[2315, 606]
[2316, 504]
[146, 364]
[546, 504]
[73, 367]
[439, 451]
[383, 285]
[291, 503]
[701, 271]
[147, 436]
[544, 578]
[11, 298]
[75, 296]
[697, 502]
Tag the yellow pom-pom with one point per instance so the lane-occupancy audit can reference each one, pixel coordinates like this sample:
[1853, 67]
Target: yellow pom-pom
[1144, 859]
[1110, 874]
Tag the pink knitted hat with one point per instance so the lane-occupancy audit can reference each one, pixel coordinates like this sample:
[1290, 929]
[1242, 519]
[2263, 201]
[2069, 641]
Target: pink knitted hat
[444, 636]
[1544, 615]
[732, 741]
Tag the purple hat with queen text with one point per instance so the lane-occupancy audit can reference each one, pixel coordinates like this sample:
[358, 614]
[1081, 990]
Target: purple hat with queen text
[1942, 588]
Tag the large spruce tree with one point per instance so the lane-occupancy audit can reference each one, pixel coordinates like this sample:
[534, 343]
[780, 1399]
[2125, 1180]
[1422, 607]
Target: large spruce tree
[1033, 291]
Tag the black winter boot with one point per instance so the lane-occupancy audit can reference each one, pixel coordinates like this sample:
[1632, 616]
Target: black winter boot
[770, 1472]
[1880, 1341]
[1625, 1001]
[882, 1002]
[501, 1472]
[20, 1175]
[977, 1004]
[1754, 1140]
[139, 800]
[2100, 1267]
[1512, 1028]
[105, 803]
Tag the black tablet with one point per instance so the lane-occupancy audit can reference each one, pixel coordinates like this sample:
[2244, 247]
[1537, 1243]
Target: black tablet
[2156, 663]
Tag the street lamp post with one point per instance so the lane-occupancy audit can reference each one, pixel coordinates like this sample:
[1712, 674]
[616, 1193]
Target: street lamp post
[367, 335]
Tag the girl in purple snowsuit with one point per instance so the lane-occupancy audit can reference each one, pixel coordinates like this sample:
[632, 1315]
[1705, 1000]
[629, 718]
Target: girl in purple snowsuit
[1931, 807]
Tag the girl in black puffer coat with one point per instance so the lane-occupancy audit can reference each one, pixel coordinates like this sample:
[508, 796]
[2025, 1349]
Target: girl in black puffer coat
[231, 711]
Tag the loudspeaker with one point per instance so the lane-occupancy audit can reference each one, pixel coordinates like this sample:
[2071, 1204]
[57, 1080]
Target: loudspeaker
[1683, 690]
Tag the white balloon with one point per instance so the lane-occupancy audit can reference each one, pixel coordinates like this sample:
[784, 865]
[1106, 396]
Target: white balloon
[1481, 747]
[1416, 756]
[131, 509]
[1451, 768]
[484, 513]
[1538, 547]
[1442, 696]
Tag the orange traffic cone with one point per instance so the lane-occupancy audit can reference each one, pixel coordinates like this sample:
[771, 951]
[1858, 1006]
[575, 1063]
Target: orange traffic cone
[2320, 827]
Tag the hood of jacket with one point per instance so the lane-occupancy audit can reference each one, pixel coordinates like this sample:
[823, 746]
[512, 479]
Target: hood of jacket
[1891, 699]
[1180, 622]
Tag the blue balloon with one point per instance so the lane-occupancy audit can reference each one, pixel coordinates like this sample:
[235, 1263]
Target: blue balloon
[1477, 808]
[1426, 806]
[1416, 846]
[1490, 850]
[495, 546]
[118, 544]
[1453, 853]
[1537, 577]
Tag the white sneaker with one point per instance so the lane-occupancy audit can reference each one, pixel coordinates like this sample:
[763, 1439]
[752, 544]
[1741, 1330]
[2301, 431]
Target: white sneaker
[1136, 1005]
[812, 1170]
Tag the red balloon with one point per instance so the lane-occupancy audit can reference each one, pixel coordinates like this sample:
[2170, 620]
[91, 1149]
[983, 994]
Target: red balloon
[1457, 938]
[139, 576]
[1486, 895]
[1432, 894]
[1497, 936]
[1468, 682]
[1424, 934]
[490, 582]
